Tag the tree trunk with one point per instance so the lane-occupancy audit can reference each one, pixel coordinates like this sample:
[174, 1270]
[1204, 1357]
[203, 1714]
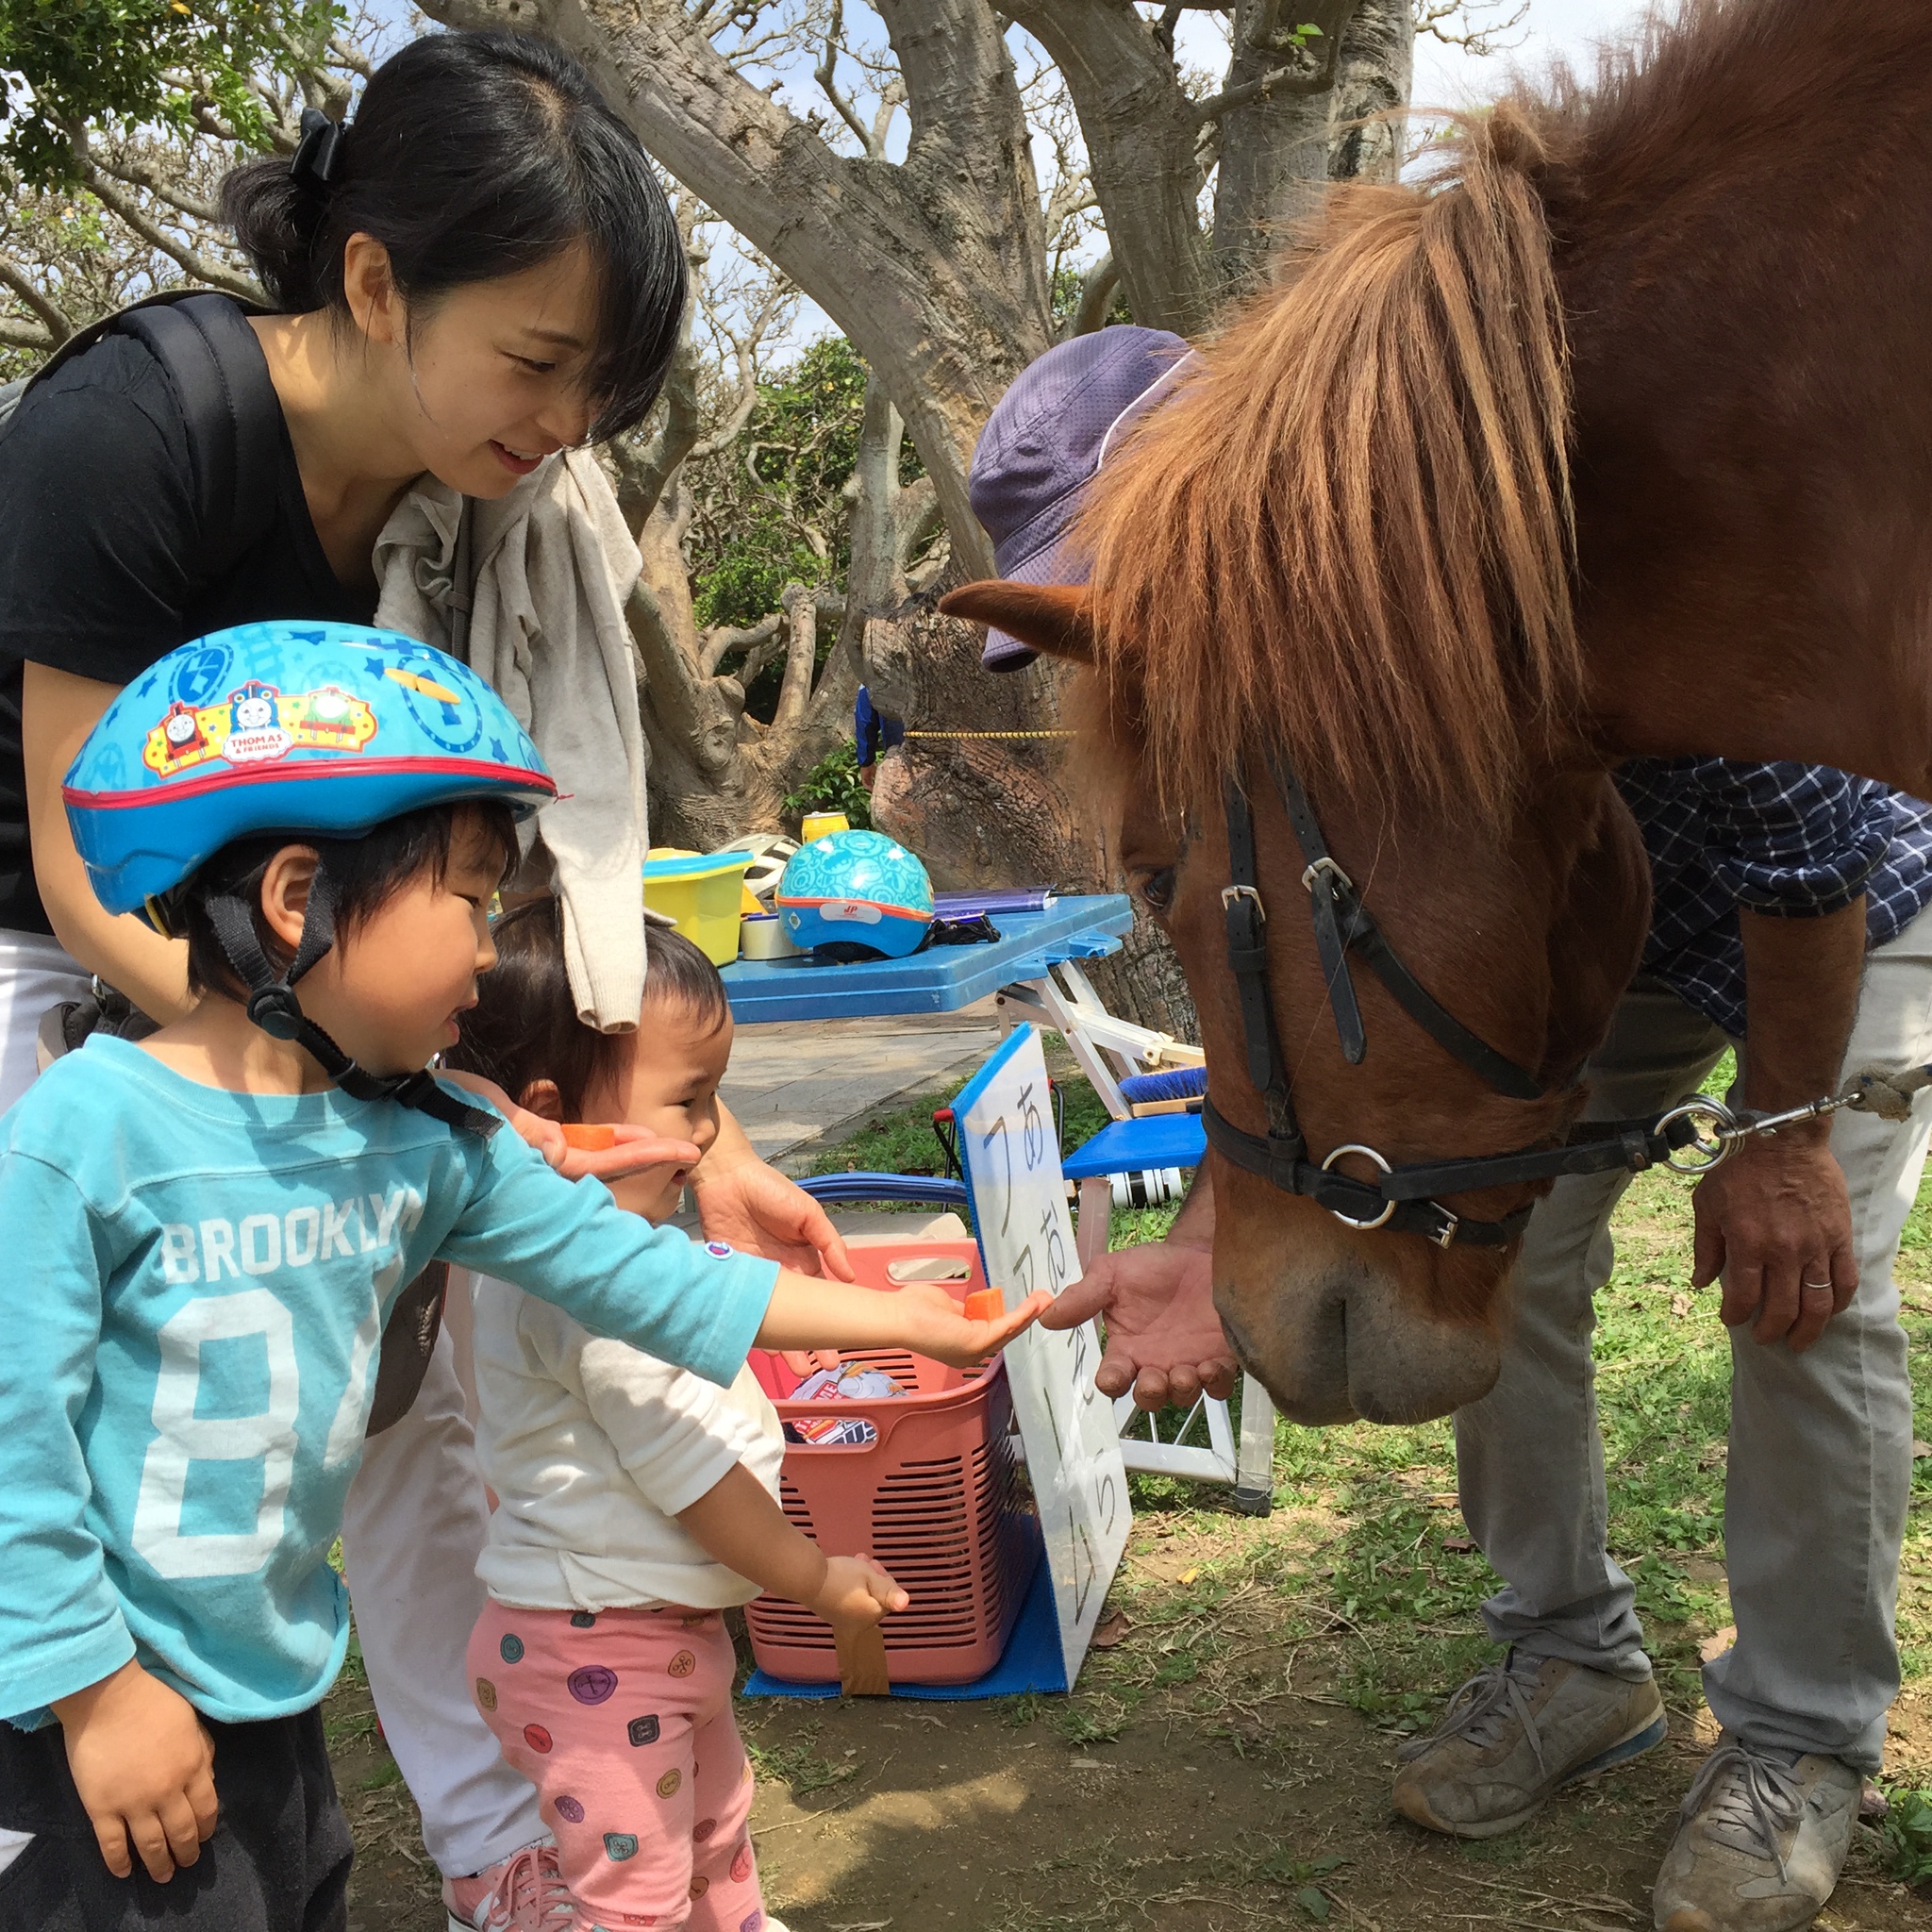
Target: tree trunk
[1141, 134]
[703, 792]
[1377, 66]
[1279, 152]
[1002, 811]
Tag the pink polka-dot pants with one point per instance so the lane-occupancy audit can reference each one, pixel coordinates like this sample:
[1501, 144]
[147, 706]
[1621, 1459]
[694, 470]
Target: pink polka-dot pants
[622, 1722]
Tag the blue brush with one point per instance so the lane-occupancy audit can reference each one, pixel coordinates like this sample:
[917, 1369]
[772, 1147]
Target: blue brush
[1183, 1084]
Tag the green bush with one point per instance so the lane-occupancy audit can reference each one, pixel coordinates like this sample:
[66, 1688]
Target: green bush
[833, 785]
[1908, 1835]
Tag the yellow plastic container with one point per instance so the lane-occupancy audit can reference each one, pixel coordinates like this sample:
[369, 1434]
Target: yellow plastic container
[701, 893]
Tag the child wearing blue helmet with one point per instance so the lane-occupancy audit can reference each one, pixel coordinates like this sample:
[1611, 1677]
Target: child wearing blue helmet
[220, 1218]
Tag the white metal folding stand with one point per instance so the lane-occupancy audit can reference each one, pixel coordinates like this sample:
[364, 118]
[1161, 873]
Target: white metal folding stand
[1107, 1049]
[1064, 1000]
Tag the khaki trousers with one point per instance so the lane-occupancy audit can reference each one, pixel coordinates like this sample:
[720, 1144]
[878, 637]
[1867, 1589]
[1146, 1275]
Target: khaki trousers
[1820, 1443]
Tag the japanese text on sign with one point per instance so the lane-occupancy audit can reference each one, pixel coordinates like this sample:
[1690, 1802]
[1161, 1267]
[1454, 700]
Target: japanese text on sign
[1012, 1155]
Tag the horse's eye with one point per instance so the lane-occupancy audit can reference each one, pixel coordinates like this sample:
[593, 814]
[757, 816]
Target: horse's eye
[1157, 892]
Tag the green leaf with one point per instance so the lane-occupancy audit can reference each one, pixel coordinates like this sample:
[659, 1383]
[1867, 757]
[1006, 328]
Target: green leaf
[1313, 1901]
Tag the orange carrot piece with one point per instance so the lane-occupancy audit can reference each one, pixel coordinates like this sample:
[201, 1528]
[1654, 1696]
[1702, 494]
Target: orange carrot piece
[985, 1305]
[588, 1138]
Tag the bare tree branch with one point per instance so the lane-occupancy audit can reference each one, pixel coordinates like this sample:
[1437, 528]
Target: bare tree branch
[1097, 286]
[24, 335]
[1073, 194]
[352, 57]
[112, 197]
[892, 98]
[745, 345]
[137, 172]
[756, 660]
[719, 645]
[1437, 19]
[825, 73]
[1298, 79]
[55, 323]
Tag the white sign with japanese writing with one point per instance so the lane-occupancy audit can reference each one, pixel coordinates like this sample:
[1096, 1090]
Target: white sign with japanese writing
[1011, 1151]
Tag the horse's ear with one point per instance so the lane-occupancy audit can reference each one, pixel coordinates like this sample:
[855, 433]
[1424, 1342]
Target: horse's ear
[1054, 619]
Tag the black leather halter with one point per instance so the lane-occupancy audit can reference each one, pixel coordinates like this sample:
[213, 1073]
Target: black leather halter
[1401, 1198]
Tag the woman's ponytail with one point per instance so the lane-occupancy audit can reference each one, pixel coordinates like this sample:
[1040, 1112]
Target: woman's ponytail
[276, 220]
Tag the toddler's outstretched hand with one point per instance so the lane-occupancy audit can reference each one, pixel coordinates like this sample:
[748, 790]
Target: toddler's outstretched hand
[805, 1313]
[936, 1327]
[857, 1594]
[143, 1766]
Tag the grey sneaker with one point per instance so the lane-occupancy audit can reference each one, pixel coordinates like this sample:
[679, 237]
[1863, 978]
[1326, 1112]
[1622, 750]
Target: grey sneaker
[1516, 1732]
[1760, 1843]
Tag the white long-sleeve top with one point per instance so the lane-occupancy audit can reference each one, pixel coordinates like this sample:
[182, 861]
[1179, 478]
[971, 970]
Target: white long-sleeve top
[592, 1448]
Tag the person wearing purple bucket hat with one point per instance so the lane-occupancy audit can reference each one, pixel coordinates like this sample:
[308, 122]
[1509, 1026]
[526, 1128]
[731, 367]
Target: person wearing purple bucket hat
[1052, 430]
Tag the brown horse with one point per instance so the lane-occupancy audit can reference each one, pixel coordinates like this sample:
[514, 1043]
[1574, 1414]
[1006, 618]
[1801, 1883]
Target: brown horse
[1615, 440]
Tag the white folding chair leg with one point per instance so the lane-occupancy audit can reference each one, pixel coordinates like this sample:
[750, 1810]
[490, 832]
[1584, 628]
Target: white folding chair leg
[1096, 1214]
[1254, 1479]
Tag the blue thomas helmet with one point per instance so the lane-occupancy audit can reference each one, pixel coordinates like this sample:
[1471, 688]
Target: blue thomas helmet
[855, 895]
[311, 730]
[320, 728]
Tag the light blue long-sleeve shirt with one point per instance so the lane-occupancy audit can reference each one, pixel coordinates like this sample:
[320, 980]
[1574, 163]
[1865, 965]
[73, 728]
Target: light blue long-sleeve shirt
[200, 1284]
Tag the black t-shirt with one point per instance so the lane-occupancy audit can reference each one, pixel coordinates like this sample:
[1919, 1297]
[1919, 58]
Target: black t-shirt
[99, 530]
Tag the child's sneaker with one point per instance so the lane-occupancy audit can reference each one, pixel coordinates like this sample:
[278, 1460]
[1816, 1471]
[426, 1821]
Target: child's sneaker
[524, 1893]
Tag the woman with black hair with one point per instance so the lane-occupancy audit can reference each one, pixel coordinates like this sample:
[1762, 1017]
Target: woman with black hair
[477, 277]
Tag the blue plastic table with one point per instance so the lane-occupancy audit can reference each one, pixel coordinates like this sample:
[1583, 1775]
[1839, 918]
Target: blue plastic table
[940, 980]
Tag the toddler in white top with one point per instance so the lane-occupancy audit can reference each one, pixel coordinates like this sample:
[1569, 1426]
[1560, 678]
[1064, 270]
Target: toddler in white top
[635, 1501]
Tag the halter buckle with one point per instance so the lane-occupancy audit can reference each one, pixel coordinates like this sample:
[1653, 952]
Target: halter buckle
[1368, 1154]
[1230, 893]
[1335, 874]
[1450, 1224]
[1717, 1136]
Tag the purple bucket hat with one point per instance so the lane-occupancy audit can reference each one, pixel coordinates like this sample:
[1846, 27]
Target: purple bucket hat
[1051, 432]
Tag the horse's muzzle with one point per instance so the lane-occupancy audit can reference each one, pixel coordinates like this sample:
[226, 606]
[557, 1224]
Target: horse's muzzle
[1347, 1345]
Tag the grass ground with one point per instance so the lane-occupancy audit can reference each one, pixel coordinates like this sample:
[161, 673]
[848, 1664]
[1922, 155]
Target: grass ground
[1226, 1763]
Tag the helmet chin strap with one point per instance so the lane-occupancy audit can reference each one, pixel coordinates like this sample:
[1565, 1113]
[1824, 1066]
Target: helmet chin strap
[274, 1006]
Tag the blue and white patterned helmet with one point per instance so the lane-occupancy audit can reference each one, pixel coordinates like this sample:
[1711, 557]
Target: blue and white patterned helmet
[319, 729]
[856, 894]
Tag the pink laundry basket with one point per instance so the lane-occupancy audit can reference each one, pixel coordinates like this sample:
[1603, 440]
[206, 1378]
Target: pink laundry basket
[935, 1500]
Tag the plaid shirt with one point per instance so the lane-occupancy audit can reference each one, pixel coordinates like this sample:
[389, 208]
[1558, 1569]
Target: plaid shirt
[1792, 841]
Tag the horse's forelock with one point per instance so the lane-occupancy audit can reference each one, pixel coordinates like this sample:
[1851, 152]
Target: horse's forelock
[1349, 535]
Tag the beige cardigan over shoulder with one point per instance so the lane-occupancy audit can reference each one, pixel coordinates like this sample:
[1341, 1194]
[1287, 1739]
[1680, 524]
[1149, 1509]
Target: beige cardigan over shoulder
[553, 565]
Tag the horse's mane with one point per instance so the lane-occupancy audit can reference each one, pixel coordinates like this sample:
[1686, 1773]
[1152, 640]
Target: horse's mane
[1349, 535]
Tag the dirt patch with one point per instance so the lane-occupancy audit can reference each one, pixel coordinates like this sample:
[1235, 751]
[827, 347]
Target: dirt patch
[1216, 1770]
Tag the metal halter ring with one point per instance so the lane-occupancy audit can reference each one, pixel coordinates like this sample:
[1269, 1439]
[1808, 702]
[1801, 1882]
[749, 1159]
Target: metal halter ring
[1368, 1154]
[1717, 1139]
